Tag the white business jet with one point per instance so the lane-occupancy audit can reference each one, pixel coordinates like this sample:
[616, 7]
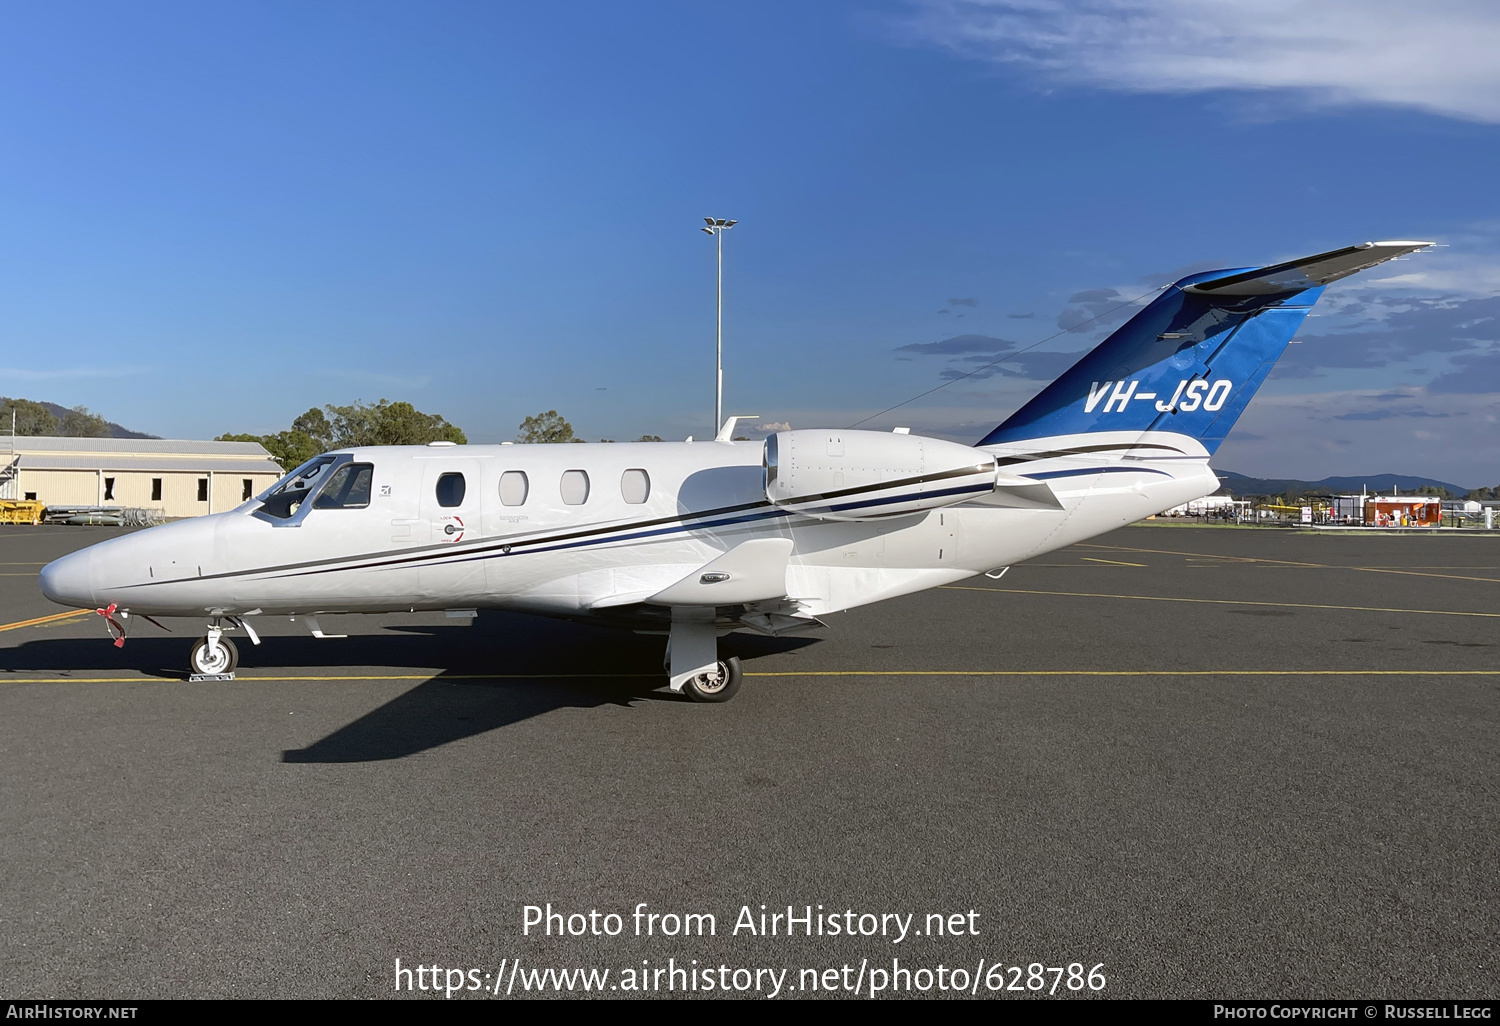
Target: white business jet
[696, 539]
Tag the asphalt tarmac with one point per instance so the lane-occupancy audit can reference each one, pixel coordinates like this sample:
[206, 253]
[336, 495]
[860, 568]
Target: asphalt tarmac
[1214, 763]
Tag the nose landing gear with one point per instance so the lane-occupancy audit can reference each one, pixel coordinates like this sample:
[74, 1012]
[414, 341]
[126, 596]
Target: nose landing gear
[215, 657]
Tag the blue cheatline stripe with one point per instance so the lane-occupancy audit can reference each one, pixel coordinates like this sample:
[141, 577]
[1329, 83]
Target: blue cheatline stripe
[494, 548]
[728, 521]
[524, 547]
[724, 522]
[840, 507]
[1097, 470]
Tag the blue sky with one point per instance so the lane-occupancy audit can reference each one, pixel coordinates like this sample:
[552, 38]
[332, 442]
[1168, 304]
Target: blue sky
[216, 216]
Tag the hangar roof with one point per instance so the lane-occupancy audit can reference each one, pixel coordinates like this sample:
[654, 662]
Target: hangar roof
[163, 454]
[163, 464]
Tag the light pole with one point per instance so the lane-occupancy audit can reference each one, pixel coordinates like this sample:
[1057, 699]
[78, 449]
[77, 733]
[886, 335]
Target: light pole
[716, 227]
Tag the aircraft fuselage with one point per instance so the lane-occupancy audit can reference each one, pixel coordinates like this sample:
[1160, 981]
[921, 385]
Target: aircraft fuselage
[593, 529]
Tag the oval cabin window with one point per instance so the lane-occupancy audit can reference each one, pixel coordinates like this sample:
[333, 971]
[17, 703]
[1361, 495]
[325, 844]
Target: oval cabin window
[635, 486]
[513, 488]
[575, 487]
[450, 490]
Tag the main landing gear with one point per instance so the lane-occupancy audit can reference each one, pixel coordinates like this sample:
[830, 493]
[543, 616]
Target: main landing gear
[719, 684]
[693, 660]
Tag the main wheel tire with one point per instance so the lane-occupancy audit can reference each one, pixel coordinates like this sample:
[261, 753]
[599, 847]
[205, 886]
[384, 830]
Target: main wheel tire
[228, 657]
[719, 686]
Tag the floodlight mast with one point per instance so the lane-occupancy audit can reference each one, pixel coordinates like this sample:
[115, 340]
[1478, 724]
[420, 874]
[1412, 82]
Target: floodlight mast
[716, 227]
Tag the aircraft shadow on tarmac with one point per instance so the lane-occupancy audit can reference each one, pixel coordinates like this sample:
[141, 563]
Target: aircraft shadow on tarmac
[536, 665]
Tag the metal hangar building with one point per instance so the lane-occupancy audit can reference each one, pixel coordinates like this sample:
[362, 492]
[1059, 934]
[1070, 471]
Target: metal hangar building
[181, 478]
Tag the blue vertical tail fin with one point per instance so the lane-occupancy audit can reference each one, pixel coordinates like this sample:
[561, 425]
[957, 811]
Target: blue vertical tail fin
[1192, 359]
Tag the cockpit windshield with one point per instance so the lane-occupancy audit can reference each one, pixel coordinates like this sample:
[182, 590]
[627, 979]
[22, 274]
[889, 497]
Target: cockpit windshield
[287, 495]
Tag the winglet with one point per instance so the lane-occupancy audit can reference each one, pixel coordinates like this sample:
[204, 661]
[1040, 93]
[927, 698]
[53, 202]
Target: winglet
[1307, 272]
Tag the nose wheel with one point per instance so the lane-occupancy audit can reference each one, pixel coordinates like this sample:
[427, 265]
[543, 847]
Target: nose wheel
[213, 656]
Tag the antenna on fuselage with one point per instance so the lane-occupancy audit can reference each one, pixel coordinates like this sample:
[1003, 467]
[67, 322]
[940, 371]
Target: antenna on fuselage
[726, 433]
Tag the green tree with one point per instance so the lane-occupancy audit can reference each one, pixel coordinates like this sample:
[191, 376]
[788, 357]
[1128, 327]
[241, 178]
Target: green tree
[80, 423]
[546, 427]
[649, 438]
[288, 448]
[386, 423]
[359, 423]
[31, 418]
[314, 424]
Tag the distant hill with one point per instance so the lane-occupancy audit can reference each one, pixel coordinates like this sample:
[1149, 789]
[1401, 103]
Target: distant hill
[115, 430]
[1239, 484]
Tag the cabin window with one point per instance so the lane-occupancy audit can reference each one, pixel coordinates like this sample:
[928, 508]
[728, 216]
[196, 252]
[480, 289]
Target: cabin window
[248, 489]
[513, 488]
[450, 490]
[635, 486]
[109, 488]
[203, 489]
[156, 489]
[348, 488]
[575, 487]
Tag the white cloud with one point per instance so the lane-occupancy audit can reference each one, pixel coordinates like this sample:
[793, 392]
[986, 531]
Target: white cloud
[1437, 56]
[1441, 272]
[63, 373]
[1401, 431]
[374, 378]
[775, 425]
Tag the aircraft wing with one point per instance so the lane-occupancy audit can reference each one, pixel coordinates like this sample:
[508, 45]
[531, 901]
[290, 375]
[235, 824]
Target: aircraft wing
[752, 571]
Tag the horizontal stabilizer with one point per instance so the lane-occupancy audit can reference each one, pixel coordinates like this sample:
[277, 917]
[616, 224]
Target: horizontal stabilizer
[1306, 273]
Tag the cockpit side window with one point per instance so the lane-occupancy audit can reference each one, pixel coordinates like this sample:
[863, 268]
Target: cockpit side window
[288, 494]
[348, 488]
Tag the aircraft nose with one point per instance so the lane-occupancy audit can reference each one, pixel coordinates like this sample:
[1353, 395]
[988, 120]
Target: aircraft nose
[66, 580]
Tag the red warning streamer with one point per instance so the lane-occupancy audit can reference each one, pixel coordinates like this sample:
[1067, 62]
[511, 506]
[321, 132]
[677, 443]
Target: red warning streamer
[108, 612]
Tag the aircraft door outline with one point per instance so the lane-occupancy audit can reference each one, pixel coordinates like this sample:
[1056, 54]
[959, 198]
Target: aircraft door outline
[451, 504]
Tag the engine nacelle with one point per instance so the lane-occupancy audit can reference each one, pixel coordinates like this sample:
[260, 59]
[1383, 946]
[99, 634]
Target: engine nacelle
[869, 475]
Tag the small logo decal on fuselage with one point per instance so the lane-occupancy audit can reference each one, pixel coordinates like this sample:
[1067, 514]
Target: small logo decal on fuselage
[1191, 394]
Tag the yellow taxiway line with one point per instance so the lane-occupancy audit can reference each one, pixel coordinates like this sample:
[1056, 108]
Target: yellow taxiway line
[1288, 563]
[38, 621]
[1218, 602]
